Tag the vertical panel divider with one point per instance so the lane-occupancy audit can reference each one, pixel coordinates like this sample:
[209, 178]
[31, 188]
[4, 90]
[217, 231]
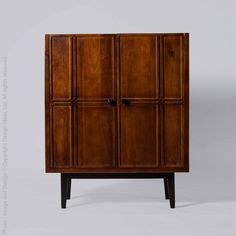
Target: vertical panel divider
[50, 103]
[157, 105]
[161, 103]
[186, 100]
[117, 46]
[47, 103]
[74, 103]
[50, 69]
[72, 98]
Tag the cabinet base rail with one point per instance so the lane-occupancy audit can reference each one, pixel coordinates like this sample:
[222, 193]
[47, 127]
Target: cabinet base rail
[169, 182]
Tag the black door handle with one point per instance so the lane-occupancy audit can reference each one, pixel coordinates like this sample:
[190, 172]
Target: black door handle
[125, 102]
[111, 102]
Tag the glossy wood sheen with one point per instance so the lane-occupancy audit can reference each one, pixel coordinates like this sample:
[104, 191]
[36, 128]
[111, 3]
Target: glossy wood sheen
[61, 136]
[139, 135]
[139, 66]
[173, 66]
[139, 81]
[96, 67]
[87, 133]
[173, 136]
[61, 67]
[96, 141]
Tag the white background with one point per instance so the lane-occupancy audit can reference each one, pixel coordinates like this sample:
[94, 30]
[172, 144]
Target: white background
[205, 197]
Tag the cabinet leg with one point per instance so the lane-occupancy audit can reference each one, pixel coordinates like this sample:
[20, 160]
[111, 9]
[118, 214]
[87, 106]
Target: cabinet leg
[63, 190]
[166, 188]
[68, 188]
[171, 188]
[169, 183]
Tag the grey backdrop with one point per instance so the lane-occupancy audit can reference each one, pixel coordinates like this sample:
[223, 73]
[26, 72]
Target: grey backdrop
[206, 197]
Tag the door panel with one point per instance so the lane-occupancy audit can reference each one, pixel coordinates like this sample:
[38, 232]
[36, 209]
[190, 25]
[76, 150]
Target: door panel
[96, 135]
[173, 135]
[61, 136]
[96, 67]
[139, 135]
[173, 66]
[139, 66]
[61, 68]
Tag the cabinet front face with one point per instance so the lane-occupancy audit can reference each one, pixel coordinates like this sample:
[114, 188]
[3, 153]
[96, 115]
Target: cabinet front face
[175, 97]
[173, 66]
[81, 116]
[96, 68]
[61, 68]
[61, 136]
[139, 67]
[139, 135]
[173, 135]
[116, 103]
[95, 116]
[96, 135]
[139, 85]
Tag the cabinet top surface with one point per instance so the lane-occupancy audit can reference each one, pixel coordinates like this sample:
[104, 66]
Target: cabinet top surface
[118, 34]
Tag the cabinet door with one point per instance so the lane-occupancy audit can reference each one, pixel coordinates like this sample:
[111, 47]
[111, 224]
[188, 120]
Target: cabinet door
[61, 67]
[61, 136]
[175, 107]
[139, 67]
[139, 90]
[96, 102]
[58, 107]
[139, 135]
[173, 135]
[96, 135]
[96, 68]
[173, 61]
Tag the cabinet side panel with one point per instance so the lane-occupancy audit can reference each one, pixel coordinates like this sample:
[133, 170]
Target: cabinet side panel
[61, 136]
[47, 105]
[173, 135]
[61, 68]
[173, 66]
[186, 99]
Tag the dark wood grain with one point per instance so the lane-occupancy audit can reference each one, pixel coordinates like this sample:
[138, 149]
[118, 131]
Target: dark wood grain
[84, 134]
[173, 66]
[139, 135]
[186, 100]
[61, 136]
[96, 67]
[96, 135]
[148, 169]
[173, 135]
[47, 104]
[61, 68]
[139, 66]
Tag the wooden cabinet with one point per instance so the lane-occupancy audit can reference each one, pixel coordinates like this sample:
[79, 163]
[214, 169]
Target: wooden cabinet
[117, 105]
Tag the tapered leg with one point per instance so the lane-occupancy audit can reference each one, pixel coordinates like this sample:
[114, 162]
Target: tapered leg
[68, 188]
[171, 185]
[166, 188]
[63, 190]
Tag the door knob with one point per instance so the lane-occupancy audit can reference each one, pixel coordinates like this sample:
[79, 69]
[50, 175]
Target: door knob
[111, 102]
[125, 102]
